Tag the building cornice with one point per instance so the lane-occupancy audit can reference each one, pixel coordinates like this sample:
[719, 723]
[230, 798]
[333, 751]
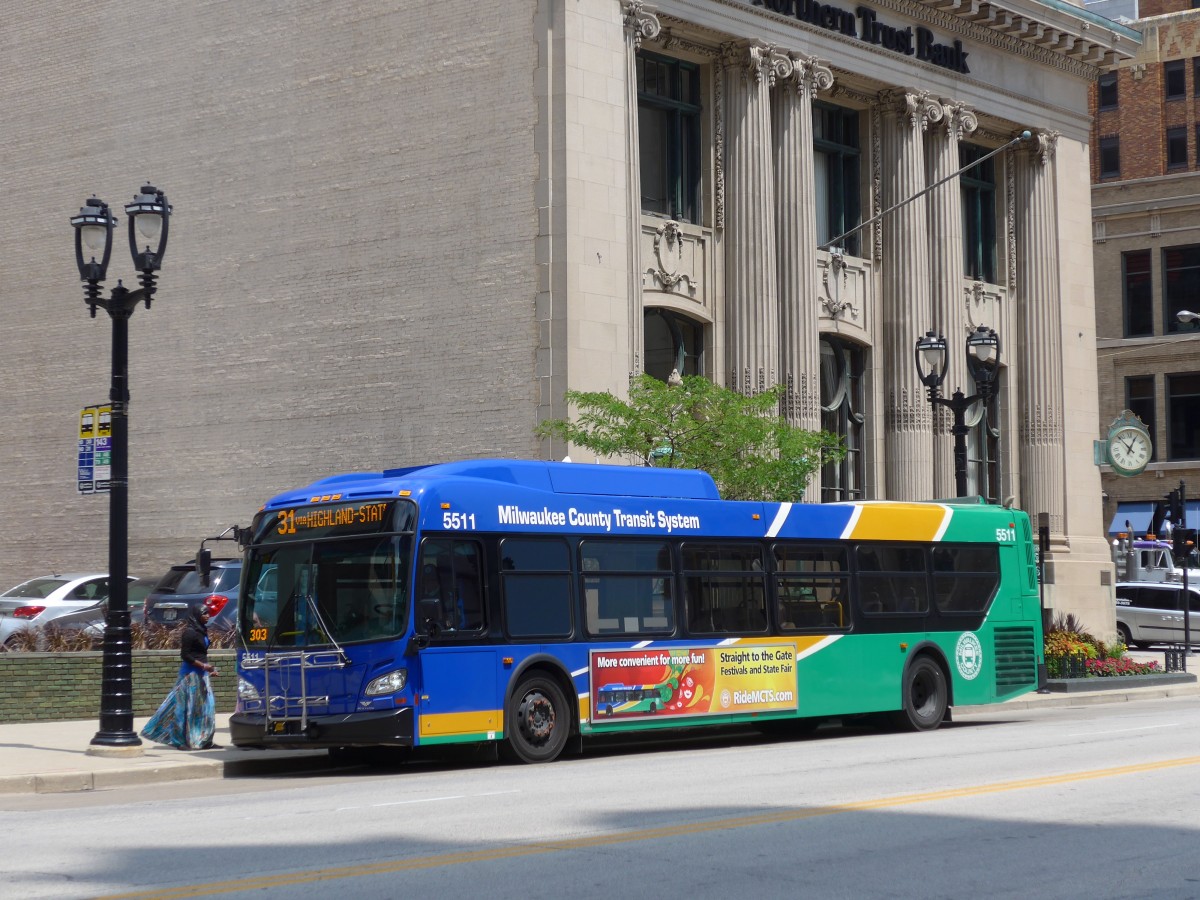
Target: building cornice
[1060, 28]
[1052, 33]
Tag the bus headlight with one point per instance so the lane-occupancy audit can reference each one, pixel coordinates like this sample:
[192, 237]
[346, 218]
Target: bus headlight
[388, 684]
[247, 691]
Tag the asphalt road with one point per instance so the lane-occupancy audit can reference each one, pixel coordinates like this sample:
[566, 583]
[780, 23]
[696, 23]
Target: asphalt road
[1095, 801]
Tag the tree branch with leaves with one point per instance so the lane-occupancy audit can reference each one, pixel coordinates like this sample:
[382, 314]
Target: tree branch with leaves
[751, 452]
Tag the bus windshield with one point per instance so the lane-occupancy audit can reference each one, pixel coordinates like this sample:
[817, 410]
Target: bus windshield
[326, 592]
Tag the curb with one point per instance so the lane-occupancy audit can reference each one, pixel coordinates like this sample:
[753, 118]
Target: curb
[132, 776]
[1087, 685]
[1080, 698]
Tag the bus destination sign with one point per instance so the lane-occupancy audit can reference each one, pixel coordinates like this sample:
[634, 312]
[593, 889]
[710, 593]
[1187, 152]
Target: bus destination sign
[306, 522]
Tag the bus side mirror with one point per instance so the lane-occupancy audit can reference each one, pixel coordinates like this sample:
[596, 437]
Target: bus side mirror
[204, 565]
[429, 614]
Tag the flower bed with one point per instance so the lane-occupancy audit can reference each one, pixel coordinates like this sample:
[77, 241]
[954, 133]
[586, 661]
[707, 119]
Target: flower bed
[1078, 665]
[1071, 652]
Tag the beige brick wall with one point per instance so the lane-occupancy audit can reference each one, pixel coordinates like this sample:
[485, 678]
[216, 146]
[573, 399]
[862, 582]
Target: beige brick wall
[350, 280]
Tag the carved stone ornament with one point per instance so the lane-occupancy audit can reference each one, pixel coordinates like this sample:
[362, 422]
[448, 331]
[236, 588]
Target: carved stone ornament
[833, 280]
[640, 21]
[960, 119]
[668, 254]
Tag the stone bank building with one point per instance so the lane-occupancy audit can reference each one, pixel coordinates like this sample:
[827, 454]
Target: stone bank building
[403, 230]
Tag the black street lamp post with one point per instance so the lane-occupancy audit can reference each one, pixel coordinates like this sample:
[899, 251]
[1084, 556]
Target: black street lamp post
[983, 362]
[149, 215]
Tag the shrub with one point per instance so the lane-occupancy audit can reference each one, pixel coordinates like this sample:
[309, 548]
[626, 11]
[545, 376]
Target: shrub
[142, 636]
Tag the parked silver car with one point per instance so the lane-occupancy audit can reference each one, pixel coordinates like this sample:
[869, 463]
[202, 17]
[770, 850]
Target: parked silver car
[39, 601]
[1150, 613]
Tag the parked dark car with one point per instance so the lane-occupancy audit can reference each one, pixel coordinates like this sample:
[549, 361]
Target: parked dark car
[182, 589]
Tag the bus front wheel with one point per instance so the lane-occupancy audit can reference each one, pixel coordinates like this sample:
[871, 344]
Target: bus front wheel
[539, 720]
[925, 696]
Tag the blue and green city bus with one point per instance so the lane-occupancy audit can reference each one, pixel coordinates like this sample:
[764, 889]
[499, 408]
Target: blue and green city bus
[497, 601]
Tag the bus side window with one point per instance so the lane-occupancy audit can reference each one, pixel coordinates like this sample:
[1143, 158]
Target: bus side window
[449, 593]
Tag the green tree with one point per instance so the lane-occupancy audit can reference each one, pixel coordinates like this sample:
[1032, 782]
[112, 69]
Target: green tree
[750, 451]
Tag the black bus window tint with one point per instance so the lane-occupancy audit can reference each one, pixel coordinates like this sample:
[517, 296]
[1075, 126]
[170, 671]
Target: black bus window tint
[892, 578]
[361, 589]
[965, 577]
[536, 583]
[450, 595]
[726, 588]
[628, 587]
[278, 617]
[812, 587]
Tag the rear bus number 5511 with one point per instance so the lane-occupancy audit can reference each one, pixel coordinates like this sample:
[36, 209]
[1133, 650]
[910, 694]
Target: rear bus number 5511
[458, 521]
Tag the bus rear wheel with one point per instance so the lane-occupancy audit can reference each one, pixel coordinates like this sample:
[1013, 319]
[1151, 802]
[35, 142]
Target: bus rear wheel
[925, 696]
[538, 720]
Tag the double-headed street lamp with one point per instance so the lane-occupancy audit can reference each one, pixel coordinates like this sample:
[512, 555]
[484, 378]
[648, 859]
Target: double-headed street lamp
[149, 215]
[983, 362]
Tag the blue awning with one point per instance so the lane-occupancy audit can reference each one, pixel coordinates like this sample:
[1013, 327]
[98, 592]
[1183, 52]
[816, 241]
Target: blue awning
[1138, 514]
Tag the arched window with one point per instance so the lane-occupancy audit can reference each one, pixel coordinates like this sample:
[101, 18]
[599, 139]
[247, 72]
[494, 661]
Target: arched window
[842, 367]
[672, 341]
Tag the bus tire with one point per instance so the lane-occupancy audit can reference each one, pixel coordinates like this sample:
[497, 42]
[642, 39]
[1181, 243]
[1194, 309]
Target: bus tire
[538, 720]
[925, 696]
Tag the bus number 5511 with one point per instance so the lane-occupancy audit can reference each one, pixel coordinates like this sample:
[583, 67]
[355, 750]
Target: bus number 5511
[458, 521]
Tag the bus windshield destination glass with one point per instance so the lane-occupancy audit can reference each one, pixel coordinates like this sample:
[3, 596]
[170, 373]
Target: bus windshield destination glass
[523, 602]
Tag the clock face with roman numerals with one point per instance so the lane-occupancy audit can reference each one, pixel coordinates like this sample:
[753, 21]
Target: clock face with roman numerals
[1129, 450]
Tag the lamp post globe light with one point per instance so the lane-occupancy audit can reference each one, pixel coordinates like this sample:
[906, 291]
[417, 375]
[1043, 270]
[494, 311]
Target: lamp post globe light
[149, 215]
[983, 362]
[1186, 316]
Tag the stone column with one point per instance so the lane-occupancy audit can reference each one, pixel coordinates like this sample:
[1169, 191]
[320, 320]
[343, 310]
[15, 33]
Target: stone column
[796, 224]
[907, 313]
[952, 122]
[751, 308]
[1039, 340]
[640, 23]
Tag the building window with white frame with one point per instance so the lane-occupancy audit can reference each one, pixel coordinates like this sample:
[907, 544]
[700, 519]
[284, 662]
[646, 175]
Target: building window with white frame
[669, 119]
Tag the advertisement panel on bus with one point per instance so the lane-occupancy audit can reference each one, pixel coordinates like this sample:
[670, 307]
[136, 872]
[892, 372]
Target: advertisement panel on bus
[692, 681]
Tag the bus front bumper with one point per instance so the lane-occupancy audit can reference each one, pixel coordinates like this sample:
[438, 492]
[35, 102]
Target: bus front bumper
[387, 728]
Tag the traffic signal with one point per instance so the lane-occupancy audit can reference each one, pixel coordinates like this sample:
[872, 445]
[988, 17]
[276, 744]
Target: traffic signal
[1183, 539]
[1174, 507]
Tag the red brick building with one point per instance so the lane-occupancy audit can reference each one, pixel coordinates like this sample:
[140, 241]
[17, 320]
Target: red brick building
[1146, 232]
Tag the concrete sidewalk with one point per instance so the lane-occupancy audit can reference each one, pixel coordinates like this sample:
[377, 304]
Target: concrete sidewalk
[52, 757]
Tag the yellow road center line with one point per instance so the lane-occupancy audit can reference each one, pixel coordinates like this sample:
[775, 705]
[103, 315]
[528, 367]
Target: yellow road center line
[642, 834]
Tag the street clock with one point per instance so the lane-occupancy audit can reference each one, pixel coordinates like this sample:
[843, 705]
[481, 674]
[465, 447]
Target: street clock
[1129, 445]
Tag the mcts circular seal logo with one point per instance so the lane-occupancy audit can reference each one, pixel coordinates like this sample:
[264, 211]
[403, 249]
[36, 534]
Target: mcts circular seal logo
[968, 655]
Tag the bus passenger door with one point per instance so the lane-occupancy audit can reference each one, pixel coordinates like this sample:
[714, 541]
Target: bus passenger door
[459, 697]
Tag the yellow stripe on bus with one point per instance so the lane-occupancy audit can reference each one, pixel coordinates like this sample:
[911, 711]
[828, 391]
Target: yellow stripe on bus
[460, 723]
[900, 522]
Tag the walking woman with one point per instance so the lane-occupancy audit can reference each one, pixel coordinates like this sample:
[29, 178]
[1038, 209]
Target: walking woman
[187, 718]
